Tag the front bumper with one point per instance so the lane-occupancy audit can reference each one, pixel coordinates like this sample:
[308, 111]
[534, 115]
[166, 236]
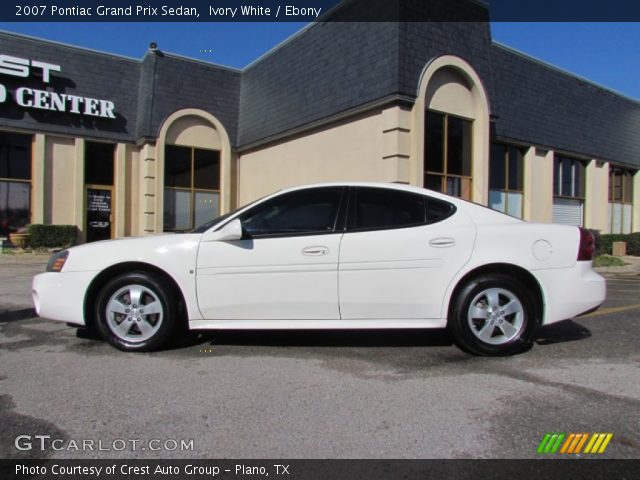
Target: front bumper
[569, 292]
[60, 296]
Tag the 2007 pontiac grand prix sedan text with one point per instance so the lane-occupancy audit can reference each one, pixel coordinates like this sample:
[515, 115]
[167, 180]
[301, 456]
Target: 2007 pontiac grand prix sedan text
[332, 256]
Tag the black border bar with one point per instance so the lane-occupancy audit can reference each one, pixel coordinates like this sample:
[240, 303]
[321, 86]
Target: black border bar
[321, 10]
[541, 469]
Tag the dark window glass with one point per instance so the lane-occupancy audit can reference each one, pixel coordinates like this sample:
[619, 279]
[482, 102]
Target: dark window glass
[497, 167]
[556, 176]
[301, 212]
[448, 154]
[614, 185]
[627, 184]
[206, 169]
[192, 184]
[578, 179]
[434, 139]
[437, 210]
[177, 166]
[516, 165]
[458, 146]
[620, 185]
[99, 207]
[454, 186]
[15, 202]
[569, 177]
[434, 182]
[15, 156]
[380, 208]
[177, 209]
[98, 163]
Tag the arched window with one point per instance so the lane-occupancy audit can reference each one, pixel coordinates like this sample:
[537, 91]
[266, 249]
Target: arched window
[452, 136]
[194, 153]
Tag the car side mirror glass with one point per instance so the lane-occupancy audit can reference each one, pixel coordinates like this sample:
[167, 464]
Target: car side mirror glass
[231, 231]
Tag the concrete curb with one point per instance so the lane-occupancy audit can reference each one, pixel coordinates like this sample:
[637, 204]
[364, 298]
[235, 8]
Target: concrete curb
[24, 258]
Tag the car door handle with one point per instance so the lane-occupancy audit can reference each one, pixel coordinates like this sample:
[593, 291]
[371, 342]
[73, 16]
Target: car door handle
[442, 242]
[315, 251]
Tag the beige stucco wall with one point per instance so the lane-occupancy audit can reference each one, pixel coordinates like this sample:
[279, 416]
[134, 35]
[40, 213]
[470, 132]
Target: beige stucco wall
[448, 92]
[132, 197]
[635, 220]
[60, 180]
[79, 207]
[538, 185]
[38, 177]
[58, 188]
[596, 204]
[371, 147]
[193, 131]
[147, 191]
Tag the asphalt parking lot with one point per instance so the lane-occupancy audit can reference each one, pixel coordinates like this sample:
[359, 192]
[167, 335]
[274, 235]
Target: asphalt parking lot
[316, 394]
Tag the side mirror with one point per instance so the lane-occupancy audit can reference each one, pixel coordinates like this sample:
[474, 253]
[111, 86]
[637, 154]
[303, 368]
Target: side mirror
[231, 231]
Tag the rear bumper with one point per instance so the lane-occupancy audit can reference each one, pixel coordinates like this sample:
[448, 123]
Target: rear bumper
[60, 296]
[569, 292]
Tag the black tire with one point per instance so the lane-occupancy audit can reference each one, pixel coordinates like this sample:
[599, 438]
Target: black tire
[120, 313]
[485, 319]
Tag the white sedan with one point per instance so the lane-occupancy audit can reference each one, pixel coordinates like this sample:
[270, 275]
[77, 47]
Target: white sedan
[332, 256]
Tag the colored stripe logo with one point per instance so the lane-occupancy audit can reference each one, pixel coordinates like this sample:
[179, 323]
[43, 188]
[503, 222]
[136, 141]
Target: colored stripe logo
[574, 443]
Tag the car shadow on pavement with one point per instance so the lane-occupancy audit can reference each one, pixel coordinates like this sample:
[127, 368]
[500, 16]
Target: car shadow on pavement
[7, 316]
[320, 338]
[566, 331]
[561, 332]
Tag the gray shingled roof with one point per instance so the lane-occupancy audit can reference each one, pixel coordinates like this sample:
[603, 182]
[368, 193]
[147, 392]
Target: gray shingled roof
[329, 70]
[144, 92]
[541, 105]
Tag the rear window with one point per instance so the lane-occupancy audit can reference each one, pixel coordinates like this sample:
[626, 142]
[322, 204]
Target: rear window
[438, 210]
[379, 208]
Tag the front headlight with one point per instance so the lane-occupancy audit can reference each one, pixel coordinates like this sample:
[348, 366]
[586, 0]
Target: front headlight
[57, 261]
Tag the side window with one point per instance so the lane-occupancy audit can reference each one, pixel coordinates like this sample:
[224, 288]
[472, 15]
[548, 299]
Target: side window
[378, 208]
[301, 212]
[438, 210]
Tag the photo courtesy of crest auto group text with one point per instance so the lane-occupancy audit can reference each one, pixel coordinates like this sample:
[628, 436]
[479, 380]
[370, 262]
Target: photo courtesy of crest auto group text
[319, 238]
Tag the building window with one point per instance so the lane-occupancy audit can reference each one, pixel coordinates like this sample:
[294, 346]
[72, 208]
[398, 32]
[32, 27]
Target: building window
[506, 179]
[191, 187]
[15, 182]
[620, 199]
[98, 179]
[568, 190]
[447, 158]
[98, 163]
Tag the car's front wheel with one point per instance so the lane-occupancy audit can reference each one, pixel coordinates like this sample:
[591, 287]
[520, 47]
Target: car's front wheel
[136, 312]
[493, 315]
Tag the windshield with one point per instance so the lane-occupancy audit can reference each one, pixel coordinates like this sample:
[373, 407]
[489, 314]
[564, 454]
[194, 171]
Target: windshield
[212, 223]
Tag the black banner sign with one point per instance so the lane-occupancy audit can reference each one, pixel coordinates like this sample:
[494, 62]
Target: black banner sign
[319, 469]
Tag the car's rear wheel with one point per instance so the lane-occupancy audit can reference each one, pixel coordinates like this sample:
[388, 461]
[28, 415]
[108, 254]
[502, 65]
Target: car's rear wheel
[136, 312]
[493, 315]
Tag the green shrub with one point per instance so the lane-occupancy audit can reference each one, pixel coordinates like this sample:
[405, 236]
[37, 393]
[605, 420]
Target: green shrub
[608, 261]
[52, 236]
[604, 243]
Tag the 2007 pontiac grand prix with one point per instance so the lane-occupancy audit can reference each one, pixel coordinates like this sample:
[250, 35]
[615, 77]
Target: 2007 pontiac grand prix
[332, 256]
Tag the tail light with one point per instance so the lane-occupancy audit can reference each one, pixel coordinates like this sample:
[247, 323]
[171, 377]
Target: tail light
[587, 245]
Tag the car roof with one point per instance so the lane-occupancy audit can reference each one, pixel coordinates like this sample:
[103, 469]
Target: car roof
[386, 185]
[480, 213]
